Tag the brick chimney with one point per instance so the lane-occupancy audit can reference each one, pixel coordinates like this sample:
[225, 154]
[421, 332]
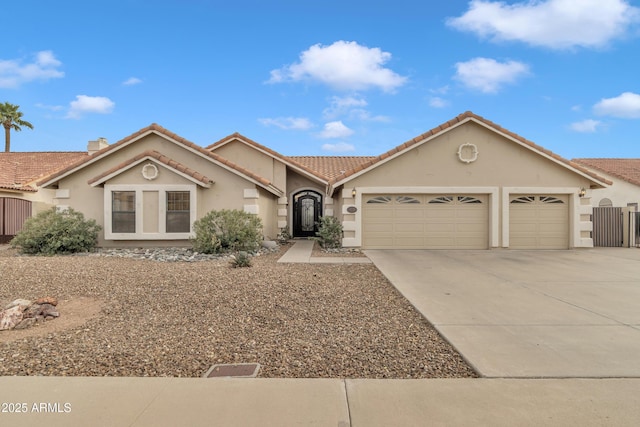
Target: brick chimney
[94, 146]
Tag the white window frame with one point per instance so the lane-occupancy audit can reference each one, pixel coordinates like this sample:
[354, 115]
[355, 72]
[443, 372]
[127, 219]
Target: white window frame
[162, 212]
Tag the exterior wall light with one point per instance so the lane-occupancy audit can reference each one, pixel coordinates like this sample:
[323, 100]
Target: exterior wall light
[353, 193]
[582, 192]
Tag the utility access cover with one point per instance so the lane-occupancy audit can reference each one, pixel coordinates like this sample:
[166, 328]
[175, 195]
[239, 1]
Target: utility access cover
[235, 370]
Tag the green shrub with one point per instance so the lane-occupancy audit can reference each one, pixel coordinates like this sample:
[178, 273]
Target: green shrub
[241, 259]
[284, 236]
[227, 230]
[329, 233]
[57, 232]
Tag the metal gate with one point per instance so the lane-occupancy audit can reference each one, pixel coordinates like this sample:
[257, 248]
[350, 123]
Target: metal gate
[634, 229]
[13, 213]
[608, 228]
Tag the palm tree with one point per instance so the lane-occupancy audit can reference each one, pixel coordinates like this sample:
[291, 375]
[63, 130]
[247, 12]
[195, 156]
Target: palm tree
[11, 118]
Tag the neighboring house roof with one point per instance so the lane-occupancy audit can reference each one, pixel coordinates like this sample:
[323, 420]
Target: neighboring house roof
[289, 161]
[159, 130]
[625, 169]
[20, 170]
[455, 122]
[331, 167]
[161, 159]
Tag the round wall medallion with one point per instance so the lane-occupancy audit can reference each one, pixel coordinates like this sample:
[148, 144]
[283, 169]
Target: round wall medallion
[150, 171]
[468, 153]
[352, 209]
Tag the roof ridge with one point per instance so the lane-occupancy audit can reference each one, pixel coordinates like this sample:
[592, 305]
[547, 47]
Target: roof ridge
[237, 135]
[460, 118]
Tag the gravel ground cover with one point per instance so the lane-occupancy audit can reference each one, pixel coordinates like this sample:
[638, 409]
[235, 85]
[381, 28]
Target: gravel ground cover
[319, 251]
[138, 317]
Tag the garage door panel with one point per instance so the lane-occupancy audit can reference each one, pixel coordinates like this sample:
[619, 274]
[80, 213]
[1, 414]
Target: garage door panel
[380, 227]
[539, 222]
[416, 227]
[409, 213]
[426, 221]
[470, 228]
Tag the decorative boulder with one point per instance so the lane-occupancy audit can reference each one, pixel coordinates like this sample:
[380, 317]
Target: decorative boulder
[47, 300]
[24, 303]
[10, 317]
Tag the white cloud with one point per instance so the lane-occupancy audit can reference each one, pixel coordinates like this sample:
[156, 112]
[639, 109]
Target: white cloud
[131, 81]
[586, 126]
[89, 104]
[437, 102]
[14, 72]
[344, 66]
[351, 107]
[555, 24]
[626, 106]
[341, 106]
[488, 75]
[340, 147]
[288, 123]
[335, 130]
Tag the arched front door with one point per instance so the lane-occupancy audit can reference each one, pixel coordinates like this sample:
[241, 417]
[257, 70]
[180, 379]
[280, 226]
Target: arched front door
[307, 210]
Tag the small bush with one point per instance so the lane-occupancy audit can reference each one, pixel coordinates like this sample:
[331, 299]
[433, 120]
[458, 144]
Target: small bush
[241, 259]
[57, 232]
[329, 233]
[284, 236]
[227, 230]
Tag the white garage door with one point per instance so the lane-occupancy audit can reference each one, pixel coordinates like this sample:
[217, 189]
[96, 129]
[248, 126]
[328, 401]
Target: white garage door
[418, 221]
[539, 221]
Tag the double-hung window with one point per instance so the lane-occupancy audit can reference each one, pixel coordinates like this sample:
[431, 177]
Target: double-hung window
[178, 212]
[123, 211]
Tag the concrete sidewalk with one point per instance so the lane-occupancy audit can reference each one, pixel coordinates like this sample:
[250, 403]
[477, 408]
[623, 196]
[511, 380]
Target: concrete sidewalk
[301, 251]
[139, 402]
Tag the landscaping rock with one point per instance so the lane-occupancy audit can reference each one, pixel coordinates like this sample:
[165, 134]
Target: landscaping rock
[24, 303]
[21, 316]
[48, 310]
[10, 317]
[25, 323]
[47, 300]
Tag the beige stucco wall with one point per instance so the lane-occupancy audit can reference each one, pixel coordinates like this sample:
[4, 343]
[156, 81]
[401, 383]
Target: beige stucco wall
[502, 167]
[41, 200]
[228, 191]
[500, 163]
[257, 162]
[621, 193]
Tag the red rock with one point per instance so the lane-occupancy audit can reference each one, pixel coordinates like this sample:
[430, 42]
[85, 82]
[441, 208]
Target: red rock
[47, 300]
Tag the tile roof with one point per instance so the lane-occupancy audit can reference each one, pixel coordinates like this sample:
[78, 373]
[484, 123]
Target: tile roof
[160, 158]
[20, 170]
[331, 167]
[286, 159]
[160, 130]
[625, 169]
[453, 122]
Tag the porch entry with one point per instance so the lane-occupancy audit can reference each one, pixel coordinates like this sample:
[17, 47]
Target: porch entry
[13, 213]
[307, 210]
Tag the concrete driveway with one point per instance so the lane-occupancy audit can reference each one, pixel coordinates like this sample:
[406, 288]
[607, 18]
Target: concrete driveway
[528, 314]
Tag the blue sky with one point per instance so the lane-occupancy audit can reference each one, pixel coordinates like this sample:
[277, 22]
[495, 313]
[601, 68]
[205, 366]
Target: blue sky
[324, 78]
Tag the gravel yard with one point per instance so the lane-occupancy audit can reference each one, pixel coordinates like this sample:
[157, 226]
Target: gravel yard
[132, 317]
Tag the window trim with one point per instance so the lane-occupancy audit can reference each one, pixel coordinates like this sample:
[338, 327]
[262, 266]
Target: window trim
[162, 212]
